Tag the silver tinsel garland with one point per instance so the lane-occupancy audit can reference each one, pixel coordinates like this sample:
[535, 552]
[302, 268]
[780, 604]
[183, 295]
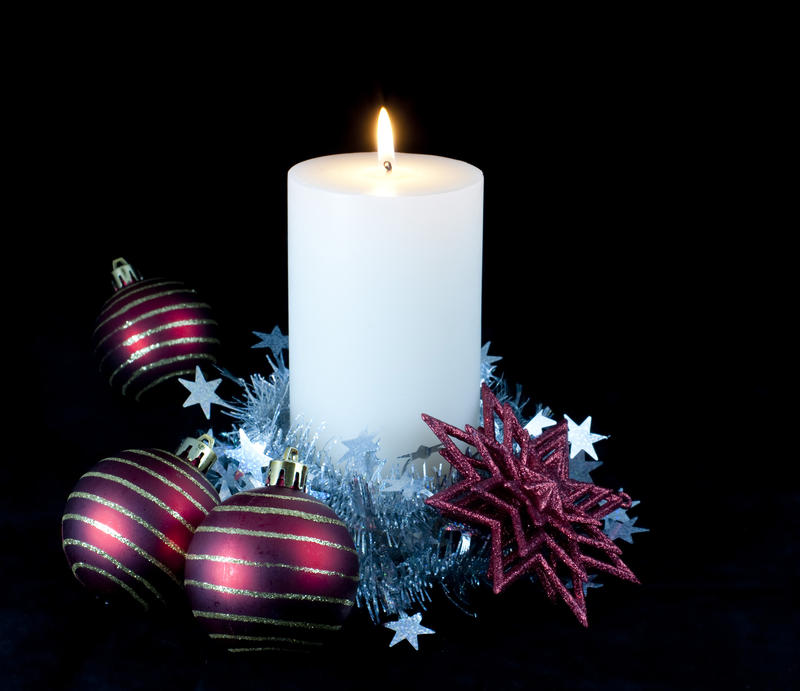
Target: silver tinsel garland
[405, 547]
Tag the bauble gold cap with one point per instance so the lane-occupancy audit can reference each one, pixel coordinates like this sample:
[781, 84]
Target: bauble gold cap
[288, 471]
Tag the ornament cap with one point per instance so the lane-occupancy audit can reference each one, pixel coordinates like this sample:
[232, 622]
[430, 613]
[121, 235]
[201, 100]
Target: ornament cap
[288, 471]
[122, 274]
[199, 452]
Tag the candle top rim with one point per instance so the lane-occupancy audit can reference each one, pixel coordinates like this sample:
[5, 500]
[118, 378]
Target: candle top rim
[413, 175]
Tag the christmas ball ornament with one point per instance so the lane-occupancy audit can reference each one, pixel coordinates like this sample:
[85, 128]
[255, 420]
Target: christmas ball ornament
[272, 568]
[150, 331]
[129, 520]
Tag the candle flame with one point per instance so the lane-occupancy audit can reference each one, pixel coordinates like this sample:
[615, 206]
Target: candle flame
[385, 140]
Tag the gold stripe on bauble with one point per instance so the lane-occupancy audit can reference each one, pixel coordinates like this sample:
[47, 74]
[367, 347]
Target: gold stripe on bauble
[277, 536]
[108, 530]
[186, 474]
[267, 564]
[83, 565]
[120, 294]
[164, 363]
[265, 620]
[305, 597]
[70, 542]
[271, 510]
[160, 477]
[141, 301]
[143, 493]
[133, 357]
[152, 313]
[151, 332]
[126, 512]
[262, 639]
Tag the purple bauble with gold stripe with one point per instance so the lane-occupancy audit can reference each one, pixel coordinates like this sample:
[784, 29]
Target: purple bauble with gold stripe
[151, 331]
[271, 569]
[129, 521]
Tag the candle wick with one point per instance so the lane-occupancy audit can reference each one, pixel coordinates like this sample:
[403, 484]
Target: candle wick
[388, 166]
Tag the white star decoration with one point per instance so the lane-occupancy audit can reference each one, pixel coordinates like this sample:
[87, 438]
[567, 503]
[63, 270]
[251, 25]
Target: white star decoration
[274, 340]
[407, 629]
[539, 422]
[252, 457]
[580, 438]
[202, 392]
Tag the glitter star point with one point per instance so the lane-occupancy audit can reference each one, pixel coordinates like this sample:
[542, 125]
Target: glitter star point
[202, 392]
[407, 628]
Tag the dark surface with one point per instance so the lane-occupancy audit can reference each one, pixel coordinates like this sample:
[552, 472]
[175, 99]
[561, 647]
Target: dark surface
[631, 223]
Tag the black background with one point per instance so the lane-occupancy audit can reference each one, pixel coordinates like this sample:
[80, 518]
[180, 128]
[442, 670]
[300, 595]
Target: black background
[634, 271]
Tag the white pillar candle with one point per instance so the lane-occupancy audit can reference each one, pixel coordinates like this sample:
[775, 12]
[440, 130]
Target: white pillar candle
[384, 296]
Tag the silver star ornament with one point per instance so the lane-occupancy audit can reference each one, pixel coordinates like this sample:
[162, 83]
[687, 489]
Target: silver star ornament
[202, 392]
[407, 629]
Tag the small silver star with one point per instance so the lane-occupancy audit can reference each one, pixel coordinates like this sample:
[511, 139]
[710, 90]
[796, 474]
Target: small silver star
[274, 340]
[579, 468]
[539, 422]
[581, 438]
[407, 629]
[251, 456]
[202, 392]
[622, 530]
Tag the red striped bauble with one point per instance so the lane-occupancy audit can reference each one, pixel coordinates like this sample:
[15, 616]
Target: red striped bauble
[128, 523]
[271, 569]
[151, 331]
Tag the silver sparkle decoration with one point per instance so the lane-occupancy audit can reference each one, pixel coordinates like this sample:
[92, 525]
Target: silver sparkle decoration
[581, 438]
[538, 423]
[579, 468]
[274, 340]
[407, 629]
[202, 392]
[487, 364]
[406, 550]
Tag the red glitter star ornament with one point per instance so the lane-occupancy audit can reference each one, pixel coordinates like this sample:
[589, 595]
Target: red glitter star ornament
[519, 487]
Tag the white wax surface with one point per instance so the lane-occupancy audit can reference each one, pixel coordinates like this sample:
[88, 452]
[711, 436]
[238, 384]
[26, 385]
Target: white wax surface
[384, 296]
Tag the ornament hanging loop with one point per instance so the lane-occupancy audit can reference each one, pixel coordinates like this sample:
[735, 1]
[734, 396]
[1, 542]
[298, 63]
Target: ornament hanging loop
[199, 452]
[288, 471]
[122, 274]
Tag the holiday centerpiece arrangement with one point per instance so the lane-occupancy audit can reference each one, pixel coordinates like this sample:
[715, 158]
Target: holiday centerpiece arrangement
[366, 479]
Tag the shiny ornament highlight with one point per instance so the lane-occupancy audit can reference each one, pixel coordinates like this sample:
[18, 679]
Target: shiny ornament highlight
[151, 331]
[129, 520]
[272, 568]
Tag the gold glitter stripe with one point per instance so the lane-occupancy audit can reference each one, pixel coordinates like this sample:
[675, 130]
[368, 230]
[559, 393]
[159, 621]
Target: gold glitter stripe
[158, 476]
[108, 530]
[133, 357]
[141, 301]
[266, 564]
[143, 493]
[164, 363]
[150, 332]
[214, 497]
[160, 380]
[317, 518]
[83, 565]
[125, 512]
[152, 313]
[262, 650]
[93, 548]
[269, 596]
[265, 639]
[265, 620]
[277, 496]
[277, 536]
[120, 294]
